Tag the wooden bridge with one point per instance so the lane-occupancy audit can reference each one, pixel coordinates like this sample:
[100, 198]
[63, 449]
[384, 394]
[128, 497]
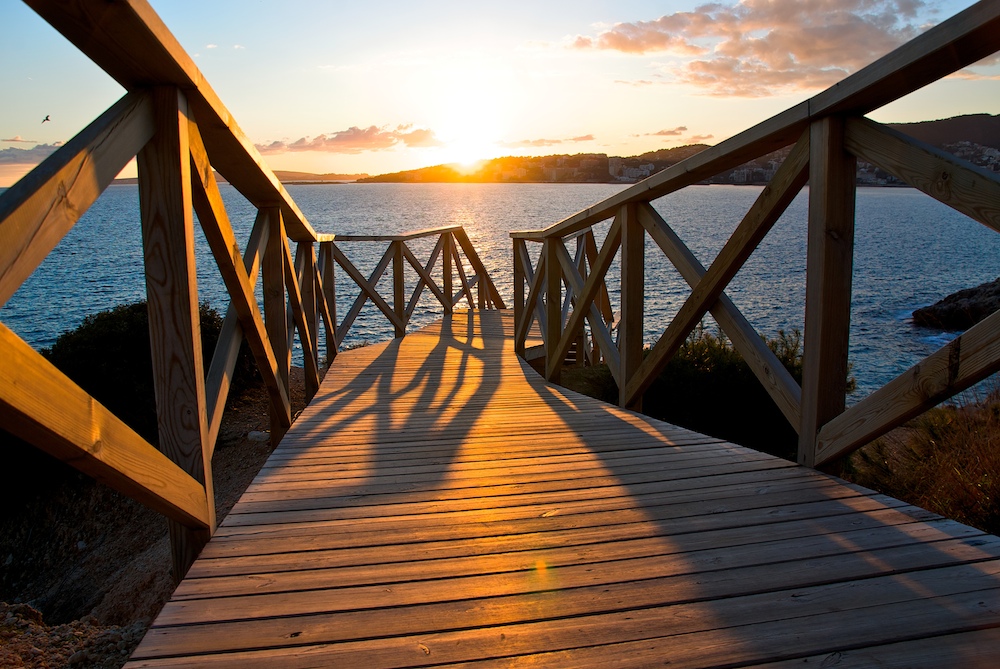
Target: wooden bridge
[438, 503]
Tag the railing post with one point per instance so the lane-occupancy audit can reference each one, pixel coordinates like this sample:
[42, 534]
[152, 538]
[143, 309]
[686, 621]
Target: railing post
[329, 277]
[829, 260]
[553, 308]
[519, 285]
[164, 166]
[633, 287]
[446, 253]
[273, 275]
[398, 287]
[305, 259]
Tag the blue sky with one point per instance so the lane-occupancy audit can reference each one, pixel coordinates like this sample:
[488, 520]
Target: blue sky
[386, 86]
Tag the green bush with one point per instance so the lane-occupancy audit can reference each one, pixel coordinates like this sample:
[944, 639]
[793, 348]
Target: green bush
[708, 387]
[108, 355]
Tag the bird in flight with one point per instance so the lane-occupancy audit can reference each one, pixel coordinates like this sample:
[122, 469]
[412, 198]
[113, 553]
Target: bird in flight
[47, 118]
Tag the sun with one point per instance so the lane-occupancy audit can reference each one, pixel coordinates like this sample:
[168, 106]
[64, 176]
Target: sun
[467, 143]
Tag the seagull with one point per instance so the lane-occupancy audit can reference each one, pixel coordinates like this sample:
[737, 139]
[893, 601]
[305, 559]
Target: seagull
[47, 118]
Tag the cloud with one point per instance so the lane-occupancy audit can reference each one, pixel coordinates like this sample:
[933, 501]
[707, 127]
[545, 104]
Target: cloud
[19, 139]
[32, 156]
[357, 140]
[759, 47]
[676, 132]
[698, 139]
[637, 83]
[540, 143]
[211, 46]
[238, 46]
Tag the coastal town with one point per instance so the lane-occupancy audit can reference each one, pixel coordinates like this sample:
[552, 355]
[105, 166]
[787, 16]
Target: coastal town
[948, 134]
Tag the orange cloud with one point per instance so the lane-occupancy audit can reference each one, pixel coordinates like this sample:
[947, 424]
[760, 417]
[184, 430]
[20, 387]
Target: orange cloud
[18, 139]
[538, 143]
[676, 132]
[759, 47]
[357, 140]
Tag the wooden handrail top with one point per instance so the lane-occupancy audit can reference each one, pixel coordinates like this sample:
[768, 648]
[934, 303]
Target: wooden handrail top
[959, 42]
[130, 42]
[405, 237]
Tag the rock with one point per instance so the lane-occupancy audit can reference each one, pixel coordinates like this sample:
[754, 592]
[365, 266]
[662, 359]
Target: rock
[961, 310]
[257, 435]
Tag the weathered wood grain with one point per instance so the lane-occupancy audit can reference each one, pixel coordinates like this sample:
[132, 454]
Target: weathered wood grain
[440, 503]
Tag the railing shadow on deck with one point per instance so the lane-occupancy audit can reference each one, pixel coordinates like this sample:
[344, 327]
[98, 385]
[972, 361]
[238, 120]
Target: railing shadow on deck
[709, 551]
[776, 542]
[377, 398]
[567, 295]
[182, 135]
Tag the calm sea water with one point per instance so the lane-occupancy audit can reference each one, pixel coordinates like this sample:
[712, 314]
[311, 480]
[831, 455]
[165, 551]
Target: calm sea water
[910, 251]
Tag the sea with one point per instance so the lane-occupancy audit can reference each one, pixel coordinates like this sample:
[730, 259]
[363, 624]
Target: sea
[910, 251]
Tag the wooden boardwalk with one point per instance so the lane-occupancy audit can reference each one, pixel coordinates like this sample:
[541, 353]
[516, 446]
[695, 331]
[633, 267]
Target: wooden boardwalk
[439, 504]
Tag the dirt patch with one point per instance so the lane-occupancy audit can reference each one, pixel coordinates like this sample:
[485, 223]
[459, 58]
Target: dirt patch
[86, 569]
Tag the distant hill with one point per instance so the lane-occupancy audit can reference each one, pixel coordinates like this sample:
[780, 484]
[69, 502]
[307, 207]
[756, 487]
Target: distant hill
[982, 129]
[308, 177]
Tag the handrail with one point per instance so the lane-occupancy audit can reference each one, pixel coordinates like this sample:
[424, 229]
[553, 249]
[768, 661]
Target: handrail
[565, 295]
[173, 123]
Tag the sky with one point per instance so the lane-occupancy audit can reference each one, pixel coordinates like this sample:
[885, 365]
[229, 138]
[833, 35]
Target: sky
[376, 87]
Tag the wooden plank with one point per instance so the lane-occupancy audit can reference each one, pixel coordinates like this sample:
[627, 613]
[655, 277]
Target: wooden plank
[292, 282]
[829, 263]
[131, 43]
[521, 315]
[495, 300]
[328, 318]
[328, 277]
[305, 264]
[670, 597]
[963, 362]
[398, 286]
[41, 208]
[273, 271]
[976, 650]
[466, 289]
[766, 209]
[165, 201]
[219, 233]
[773, 376]
[368, 290]
[633, 288]
[407, 513]
[553, 308]
[962, 186]
[424, 274]
[586, 307]
[405, 237]
[305, 260]
[227, 349]
[533, 307]
[446, 277]
[42, 406]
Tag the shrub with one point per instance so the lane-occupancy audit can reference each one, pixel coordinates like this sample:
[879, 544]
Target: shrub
[108, 355]
[946, 460]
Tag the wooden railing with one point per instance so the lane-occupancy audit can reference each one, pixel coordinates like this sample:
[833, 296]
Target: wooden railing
[181, 134]
[568, 298]
[452, 243]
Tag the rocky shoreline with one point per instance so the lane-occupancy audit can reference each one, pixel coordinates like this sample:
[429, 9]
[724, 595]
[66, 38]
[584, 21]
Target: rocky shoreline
[961, 310]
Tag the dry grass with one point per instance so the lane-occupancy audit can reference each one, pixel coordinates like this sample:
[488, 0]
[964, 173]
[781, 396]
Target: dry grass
[947, 461]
